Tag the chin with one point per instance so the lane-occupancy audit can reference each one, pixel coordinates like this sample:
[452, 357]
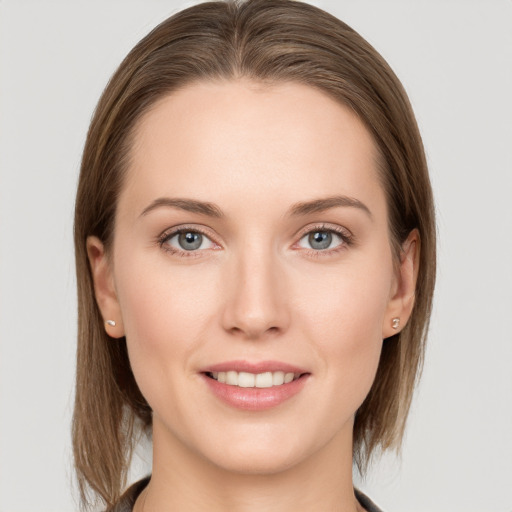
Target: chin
[256, 462]
[264, 451]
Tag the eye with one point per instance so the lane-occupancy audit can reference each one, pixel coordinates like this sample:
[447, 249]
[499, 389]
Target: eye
[187, 240]
[321, 240]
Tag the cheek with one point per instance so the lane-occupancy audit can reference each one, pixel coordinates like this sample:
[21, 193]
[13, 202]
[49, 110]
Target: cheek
[350, 302]
[166, 315]
[345, 319]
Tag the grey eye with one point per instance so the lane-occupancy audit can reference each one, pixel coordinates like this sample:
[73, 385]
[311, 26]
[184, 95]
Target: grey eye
[189, 241]
[320, 240]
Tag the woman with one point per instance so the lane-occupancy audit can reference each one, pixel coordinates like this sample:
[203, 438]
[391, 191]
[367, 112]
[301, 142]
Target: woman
[255, 250]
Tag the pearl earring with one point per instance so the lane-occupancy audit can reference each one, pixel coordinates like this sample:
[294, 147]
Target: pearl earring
[111, 323]
[395, 323]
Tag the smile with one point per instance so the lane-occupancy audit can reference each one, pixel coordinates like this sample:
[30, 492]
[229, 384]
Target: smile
[254, 380]
[254, 386]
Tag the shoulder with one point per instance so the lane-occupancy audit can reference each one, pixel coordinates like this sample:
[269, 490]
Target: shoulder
[127, 500]
[366, 502]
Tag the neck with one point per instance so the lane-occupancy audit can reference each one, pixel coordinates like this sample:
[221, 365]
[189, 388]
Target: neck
[184, 480]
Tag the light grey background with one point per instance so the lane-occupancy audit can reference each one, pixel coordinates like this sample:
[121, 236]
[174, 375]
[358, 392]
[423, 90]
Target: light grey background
[455, 60]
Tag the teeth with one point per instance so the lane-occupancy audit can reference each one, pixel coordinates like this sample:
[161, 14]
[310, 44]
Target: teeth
[251, 380]
[278, 378]
[288, 377]
[232, 378]
[246, 380]
[264, 380]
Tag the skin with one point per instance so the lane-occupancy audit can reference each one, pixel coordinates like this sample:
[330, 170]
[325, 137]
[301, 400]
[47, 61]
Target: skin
[256, 290]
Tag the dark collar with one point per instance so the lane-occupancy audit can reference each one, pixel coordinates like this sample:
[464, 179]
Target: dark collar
[127, 501]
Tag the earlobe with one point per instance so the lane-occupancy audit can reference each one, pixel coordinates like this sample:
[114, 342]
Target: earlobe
[402, 302]
[104, 289]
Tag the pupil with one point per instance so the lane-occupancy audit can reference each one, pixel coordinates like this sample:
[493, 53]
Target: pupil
[190, 241]
[320, 240]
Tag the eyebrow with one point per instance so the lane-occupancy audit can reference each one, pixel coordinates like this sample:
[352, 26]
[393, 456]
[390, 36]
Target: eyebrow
[320, 205]
[298, 209]
[189, 205]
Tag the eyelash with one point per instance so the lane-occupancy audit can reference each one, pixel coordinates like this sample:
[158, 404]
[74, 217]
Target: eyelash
[168, 235]
[346, 237]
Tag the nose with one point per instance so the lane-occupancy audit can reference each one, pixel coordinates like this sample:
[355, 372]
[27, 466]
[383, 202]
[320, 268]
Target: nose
[256, 305]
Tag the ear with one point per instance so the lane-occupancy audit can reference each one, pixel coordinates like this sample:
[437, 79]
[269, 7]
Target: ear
[104, 288]
[402, 296]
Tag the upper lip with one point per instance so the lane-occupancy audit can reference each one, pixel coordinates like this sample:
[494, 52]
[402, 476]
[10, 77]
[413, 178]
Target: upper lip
[254, 367]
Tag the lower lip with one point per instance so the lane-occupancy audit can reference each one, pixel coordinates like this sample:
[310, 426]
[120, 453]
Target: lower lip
[255, 399]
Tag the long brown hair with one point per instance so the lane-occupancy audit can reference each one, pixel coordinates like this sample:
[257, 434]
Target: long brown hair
[267, 41]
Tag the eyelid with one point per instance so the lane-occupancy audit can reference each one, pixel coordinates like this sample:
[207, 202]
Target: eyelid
[345, 234]
[325, 226]
[169, 233]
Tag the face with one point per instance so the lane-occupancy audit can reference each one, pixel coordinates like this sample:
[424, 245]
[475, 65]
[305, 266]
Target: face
[251, 248]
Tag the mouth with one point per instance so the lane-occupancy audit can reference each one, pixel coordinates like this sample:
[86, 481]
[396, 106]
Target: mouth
[255, 386]
[254, 380]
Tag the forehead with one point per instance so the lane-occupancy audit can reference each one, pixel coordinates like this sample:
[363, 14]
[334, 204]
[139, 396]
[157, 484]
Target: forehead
[237, 137]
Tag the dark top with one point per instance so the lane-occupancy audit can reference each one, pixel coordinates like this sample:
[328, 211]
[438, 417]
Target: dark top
[127, 500]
